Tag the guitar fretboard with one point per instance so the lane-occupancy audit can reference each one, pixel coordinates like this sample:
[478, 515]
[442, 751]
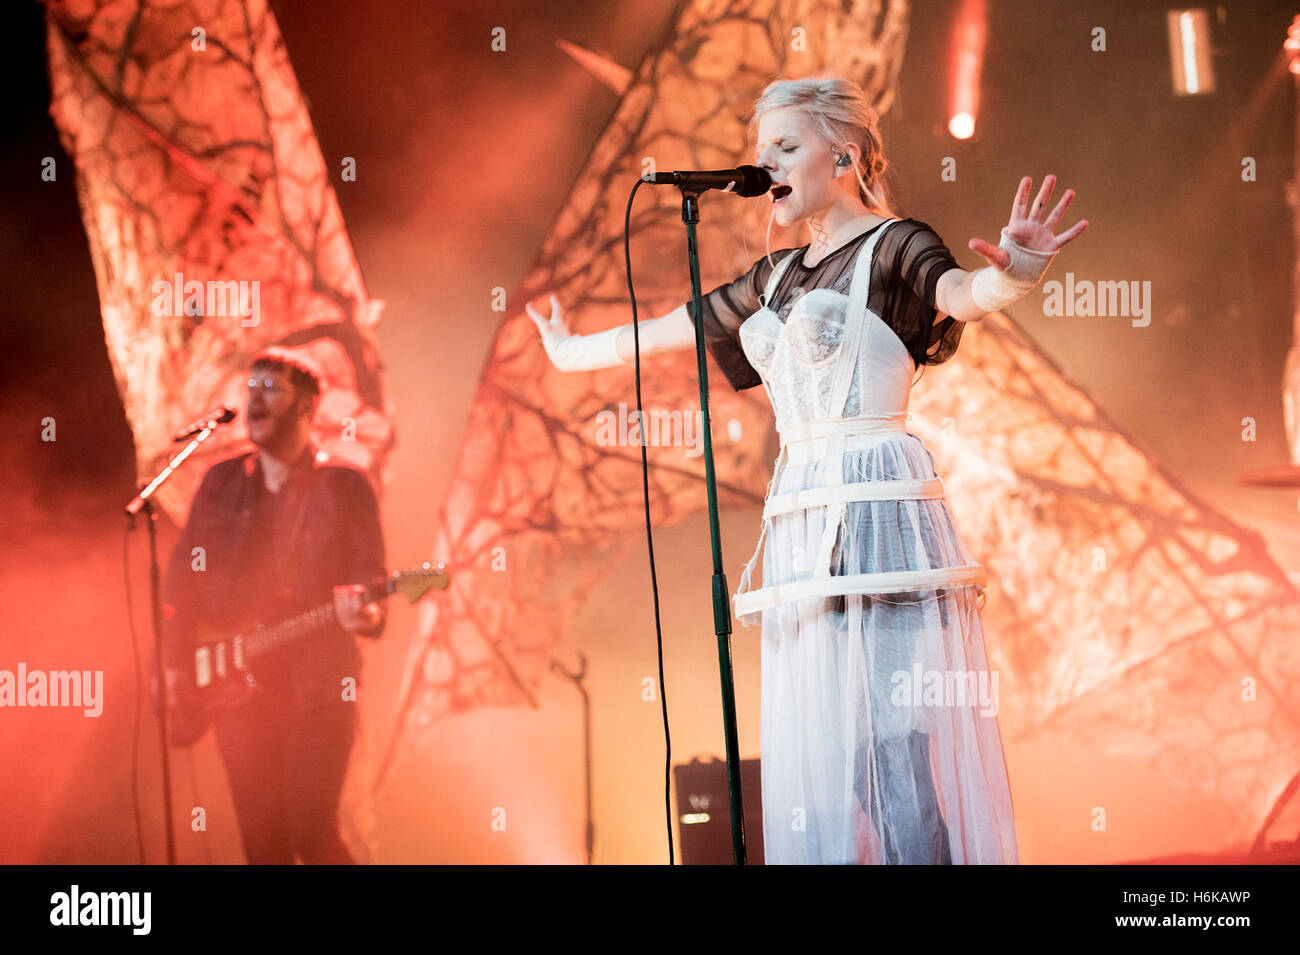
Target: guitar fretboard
[266, 639]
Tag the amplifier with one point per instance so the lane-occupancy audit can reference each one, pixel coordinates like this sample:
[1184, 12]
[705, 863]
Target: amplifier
[704, 811]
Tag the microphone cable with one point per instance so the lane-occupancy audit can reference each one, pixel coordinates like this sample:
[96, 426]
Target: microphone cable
[649, 530]
[135, 727]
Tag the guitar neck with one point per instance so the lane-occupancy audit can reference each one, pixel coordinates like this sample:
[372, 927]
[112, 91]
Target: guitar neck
[266, 639]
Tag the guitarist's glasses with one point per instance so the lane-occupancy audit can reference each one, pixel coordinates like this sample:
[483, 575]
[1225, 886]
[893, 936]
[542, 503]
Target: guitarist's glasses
[269, 385]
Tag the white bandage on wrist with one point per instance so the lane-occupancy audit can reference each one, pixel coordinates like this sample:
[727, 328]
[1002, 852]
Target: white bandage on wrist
[585, 352]
[993, 289]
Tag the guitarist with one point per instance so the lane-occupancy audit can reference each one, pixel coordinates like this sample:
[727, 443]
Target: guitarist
[272, 533]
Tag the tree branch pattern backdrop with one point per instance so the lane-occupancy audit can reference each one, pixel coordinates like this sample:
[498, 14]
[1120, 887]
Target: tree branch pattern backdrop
[1121, 609]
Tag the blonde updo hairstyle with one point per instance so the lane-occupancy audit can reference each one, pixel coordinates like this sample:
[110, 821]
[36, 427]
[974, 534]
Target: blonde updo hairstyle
[840, 112]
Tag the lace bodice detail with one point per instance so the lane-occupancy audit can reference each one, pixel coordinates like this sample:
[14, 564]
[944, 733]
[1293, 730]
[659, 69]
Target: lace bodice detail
[798, 359]
[908, 261]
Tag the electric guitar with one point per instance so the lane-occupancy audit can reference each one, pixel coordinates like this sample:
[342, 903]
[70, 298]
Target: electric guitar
[223, 677]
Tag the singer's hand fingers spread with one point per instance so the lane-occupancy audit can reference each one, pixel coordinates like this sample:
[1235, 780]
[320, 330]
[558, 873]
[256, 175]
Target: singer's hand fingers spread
[538, 320]
[557, 316]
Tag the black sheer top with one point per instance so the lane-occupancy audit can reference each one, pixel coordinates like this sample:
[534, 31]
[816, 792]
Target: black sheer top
[909, 259]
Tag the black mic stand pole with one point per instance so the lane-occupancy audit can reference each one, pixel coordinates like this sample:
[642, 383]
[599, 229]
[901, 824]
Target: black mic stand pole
[721, 598]
[144, 501]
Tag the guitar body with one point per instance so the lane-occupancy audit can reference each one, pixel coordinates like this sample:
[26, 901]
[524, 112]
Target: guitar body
[221, 682]
[223, 669]
[187, 722]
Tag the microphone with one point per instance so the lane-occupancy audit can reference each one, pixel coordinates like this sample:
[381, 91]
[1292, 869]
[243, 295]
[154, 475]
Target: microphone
[220, 416]
[747, 181]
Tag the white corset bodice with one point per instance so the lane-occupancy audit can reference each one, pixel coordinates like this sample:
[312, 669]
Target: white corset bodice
[839, 379]
[799, 359]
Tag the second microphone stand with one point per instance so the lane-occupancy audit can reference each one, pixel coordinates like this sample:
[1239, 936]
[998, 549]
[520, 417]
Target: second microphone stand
[144, 502]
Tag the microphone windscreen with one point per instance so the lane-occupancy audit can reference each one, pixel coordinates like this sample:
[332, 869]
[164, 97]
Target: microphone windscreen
[754, 181]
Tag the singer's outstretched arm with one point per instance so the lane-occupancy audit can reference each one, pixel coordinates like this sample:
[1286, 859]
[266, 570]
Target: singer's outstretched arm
[667, 333]
[614, 346]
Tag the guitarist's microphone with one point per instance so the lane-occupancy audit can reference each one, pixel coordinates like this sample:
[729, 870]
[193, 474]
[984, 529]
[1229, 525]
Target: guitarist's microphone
[221, 415]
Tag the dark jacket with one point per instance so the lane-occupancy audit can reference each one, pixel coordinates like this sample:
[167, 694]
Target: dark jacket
[252, 568]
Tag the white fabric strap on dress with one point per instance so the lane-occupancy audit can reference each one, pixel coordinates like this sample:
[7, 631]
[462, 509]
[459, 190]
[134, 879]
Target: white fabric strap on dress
[774, 279]
[855, 323]
[867, 424]
[889, 422]
[887, 582]
[832, 477]
[743, 586]
[918, 489]
[768, 290]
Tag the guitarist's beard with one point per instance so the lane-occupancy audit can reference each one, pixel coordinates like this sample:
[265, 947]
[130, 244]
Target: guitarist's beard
[276, 434]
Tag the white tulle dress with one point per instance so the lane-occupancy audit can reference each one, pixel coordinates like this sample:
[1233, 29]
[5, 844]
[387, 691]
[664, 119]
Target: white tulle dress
[880, 741]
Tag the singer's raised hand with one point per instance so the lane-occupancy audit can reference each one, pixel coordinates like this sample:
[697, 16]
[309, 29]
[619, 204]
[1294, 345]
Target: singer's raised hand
[552, 326]
[1032, 228]
[554, 330]
[569, 352]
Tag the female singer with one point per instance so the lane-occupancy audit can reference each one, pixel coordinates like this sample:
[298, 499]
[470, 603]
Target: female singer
[880, 741]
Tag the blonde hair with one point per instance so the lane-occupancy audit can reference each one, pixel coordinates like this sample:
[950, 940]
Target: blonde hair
[841, 114]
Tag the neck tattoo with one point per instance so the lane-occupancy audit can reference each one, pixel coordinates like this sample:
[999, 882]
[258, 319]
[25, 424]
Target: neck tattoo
[820, 237]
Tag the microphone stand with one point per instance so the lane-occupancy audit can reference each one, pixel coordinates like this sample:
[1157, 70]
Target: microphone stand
[144, 501]
[721, 600]
[577, 676]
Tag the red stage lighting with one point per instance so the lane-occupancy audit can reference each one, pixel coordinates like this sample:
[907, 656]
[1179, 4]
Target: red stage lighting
[969, 33]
